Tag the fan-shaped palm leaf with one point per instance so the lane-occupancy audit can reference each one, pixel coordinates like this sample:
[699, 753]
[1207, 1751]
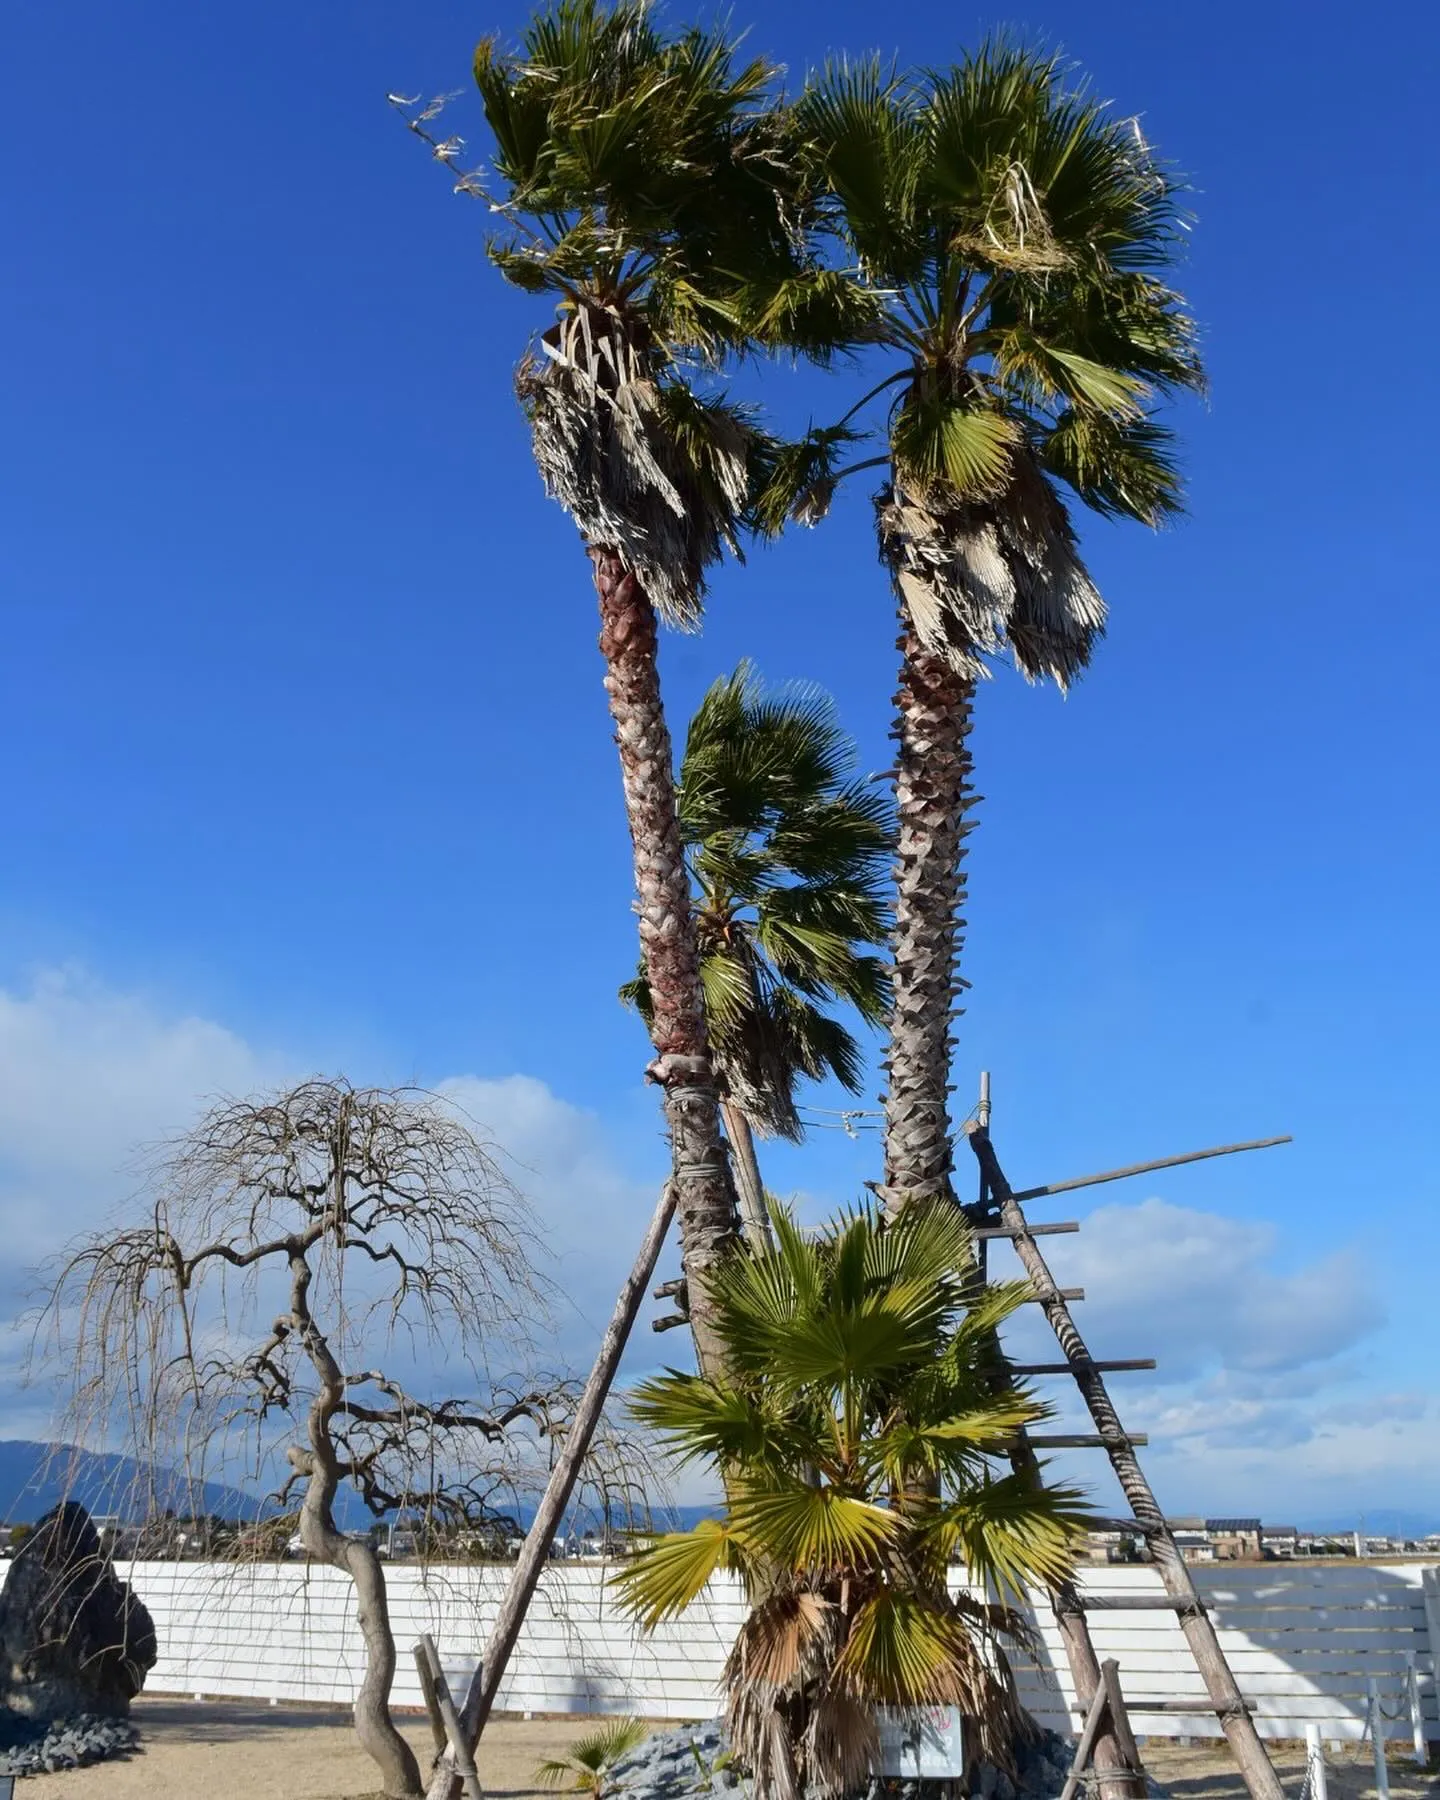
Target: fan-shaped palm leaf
[1018, 233]
[858, 1436]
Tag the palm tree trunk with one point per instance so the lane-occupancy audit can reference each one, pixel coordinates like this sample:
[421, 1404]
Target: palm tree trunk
[748, 1181]
[705, 1200]
[932, 795]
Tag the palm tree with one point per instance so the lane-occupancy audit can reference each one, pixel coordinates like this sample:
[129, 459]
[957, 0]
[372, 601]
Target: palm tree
[1018, 234]
[856, 1433]
[787, 853]
[587, 1766]
[641, 188]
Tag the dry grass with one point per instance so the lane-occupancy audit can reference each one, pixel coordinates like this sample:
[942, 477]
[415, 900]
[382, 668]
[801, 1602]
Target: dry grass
[218, 1750]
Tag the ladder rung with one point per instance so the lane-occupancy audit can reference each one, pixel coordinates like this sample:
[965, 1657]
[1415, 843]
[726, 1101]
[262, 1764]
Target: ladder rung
[1137, 1603]
[1197, 1708]
[1060, 1293]
[1085, 1440]
[1007, 1231]
[1065, 1368]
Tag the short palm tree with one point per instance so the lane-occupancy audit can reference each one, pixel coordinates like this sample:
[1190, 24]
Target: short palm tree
[590, 1762]
[1018, 235]
[640, 182]
[857, 1435]
[788, 853]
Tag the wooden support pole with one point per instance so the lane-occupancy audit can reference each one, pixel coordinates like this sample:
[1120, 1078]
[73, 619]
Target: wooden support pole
[1116, 1754]
[445, 1706]
[1052, 1440]
[1144, 1168]
[1115, 1366]
[480, 1696]
[1255, 1766]
[1107, 1707]
[984, 1233]
[427, 1694]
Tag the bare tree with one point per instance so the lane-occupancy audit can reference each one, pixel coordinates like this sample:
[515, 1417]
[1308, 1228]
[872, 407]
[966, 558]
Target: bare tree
[293, 1241]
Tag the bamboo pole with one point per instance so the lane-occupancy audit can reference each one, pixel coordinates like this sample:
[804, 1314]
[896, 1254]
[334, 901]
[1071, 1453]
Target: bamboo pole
[1144, 1168]
[749, 1186]
[1235, 1720]
[480, 1696]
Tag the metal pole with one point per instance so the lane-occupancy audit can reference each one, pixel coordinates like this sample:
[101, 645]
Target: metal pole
[1315, 1763]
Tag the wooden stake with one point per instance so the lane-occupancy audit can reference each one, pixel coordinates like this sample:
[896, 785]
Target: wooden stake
[480, 1696]
[450, 1719]
[427, 1694]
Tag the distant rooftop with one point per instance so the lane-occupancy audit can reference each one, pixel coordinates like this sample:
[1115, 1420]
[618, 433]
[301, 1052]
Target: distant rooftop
[1232, 1524]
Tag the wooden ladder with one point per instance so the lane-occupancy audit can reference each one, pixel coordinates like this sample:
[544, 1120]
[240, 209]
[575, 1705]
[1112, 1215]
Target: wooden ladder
[1112, 1741]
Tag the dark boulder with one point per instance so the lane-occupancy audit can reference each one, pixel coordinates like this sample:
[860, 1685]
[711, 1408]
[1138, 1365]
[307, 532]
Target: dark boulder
[74, 1639]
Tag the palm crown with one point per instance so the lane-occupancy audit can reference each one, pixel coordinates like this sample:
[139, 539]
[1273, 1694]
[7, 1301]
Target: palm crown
[787, 855]
[856, 1432]
[1017, 233]
[643, 184]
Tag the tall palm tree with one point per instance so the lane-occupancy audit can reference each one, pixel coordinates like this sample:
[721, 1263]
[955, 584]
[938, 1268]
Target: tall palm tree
[787, 853]
[857, 1434]
[640, 186]
[1018, 235]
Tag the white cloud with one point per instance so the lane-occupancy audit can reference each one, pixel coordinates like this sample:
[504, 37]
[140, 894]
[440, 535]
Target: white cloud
[91, 1077]
[88, 1077]
[1258, 1403]
[1197, 1290]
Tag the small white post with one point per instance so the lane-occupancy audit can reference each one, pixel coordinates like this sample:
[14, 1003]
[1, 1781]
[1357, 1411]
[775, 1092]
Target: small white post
[1315, 1763]
[1417, 1716]
[1377, 1738]
[982, 1111]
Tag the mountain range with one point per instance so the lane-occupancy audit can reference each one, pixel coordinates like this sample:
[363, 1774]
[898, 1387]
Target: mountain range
[34, 1477]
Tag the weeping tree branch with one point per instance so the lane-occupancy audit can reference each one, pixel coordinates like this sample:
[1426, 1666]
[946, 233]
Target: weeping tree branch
[308, 1259]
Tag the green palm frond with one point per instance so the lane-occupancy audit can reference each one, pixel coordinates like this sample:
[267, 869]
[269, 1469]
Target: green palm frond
[861, 1439]
[1013, 1529]
[589, 1760]
[789, 856]
[906, 1649]
[803, 1527]
[1019, 233]
[665, 1576]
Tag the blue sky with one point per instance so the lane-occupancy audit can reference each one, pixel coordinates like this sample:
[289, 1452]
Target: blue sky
[309, 763]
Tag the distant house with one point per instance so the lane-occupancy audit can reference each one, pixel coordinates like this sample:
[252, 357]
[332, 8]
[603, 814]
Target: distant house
[1192, 1540]
[1279, 1540]
[1234, 1539]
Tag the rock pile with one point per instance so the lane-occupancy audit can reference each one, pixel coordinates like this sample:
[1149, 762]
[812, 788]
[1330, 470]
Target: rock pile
[37, 1747]
[681, 1765]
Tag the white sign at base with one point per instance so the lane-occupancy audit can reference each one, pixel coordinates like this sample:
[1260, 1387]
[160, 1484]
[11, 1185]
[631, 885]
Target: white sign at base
[921, 1744]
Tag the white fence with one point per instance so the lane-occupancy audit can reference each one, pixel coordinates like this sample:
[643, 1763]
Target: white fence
[1304, 1642]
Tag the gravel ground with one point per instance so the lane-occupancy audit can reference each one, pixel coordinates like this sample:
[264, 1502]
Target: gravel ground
[239, 1751]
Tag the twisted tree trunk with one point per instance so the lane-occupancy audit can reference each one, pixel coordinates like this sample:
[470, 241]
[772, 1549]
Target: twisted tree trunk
[932, 796]
[705, 1200]
[356, 1557]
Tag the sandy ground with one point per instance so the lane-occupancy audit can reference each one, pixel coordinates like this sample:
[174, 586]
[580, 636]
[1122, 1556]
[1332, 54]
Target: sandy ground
[217, 1751]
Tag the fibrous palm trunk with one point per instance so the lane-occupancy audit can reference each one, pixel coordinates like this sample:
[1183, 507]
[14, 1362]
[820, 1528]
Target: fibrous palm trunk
[932, 796]
[705, 1200]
